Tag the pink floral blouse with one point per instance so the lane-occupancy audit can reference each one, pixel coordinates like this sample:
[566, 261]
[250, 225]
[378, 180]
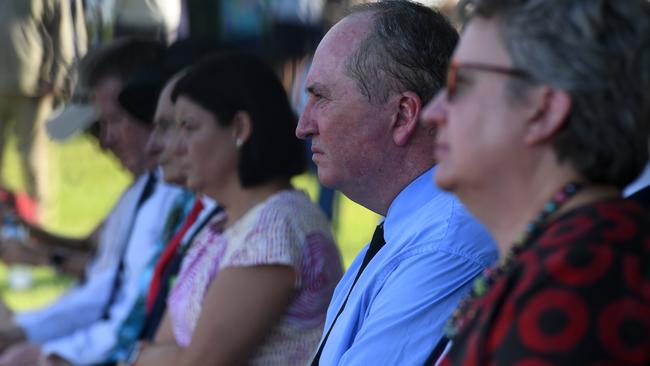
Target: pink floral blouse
[286, 229]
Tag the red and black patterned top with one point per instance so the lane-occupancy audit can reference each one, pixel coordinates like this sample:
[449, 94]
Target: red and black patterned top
[580, 295]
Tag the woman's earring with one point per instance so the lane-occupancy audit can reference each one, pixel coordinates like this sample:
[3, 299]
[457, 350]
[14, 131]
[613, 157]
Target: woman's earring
[239, 143]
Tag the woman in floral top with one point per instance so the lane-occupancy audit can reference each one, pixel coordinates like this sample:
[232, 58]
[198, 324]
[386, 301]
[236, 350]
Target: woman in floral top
[255, 288]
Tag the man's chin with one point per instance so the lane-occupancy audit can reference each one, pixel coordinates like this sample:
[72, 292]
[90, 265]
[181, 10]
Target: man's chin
[194, 185]
[174, 179]
[327, 180]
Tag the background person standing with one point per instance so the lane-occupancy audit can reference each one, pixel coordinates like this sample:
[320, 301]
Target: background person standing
[40, 43]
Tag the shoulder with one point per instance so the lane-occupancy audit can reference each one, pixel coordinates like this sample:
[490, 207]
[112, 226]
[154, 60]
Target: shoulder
[294, 211]
[466, 236]
[580, 282]
[588, 260]
[279, 231]
[441, 224]
[620, 223]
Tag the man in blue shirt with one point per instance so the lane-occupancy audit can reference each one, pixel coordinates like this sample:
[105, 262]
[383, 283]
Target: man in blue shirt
[370, 77]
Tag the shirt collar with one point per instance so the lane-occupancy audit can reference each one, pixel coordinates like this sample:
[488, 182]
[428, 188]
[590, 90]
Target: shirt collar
[208, 203]
[409, 202]
[157, 172]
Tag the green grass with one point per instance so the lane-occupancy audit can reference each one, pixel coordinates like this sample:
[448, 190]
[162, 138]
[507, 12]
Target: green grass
[82, 185]
[47, 286]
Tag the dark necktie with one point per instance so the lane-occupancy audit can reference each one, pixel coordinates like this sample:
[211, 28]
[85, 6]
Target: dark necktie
[437, 351]
[376, 243]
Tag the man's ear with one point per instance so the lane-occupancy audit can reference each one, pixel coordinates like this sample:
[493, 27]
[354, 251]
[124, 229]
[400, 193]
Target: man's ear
[551, 108]
[405, 121]
[242, 127]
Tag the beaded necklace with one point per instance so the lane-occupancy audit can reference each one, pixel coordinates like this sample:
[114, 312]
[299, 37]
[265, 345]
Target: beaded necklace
[483, 283]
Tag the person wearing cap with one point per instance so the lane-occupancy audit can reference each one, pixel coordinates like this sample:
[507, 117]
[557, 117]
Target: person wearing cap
[82, 326]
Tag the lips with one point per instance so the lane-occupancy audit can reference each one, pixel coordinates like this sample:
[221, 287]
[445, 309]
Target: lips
[316, 150]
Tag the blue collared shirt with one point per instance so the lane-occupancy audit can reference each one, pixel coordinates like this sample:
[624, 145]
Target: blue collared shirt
[397, 310]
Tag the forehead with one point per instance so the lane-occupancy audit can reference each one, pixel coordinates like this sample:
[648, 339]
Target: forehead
[481, 41]
[186, 109]
[337, 45]
[165, 107]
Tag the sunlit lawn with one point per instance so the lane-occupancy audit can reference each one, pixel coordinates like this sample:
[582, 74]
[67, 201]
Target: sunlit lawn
[83, 184]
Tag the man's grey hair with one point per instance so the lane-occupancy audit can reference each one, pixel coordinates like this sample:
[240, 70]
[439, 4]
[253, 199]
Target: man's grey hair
[407, 49]
[599, 52]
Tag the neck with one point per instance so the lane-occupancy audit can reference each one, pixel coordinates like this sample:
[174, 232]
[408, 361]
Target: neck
[377, 192]
[379, 198]
[510, 205]
[148, 166]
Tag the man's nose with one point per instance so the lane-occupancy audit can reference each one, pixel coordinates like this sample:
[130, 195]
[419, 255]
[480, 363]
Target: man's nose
[306, 127]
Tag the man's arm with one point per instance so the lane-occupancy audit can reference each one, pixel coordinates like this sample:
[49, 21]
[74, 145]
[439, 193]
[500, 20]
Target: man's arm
[67, 255]
[40, 236]
[77, 308]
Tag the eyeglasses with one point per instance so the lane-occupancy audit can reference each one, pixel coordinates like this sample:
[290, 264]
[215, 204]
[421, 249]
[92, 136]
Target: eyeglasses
[452, 73]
